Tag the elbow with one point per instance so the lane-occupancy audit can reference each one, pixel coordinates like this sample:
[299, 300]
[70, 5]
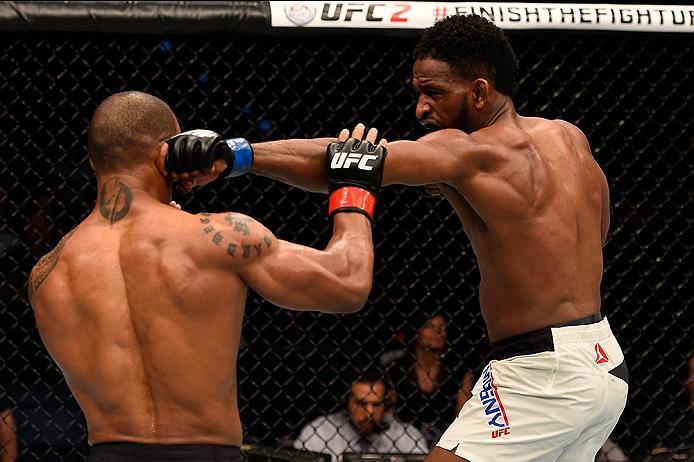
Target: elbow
[351, 283]
[348, 308]
[360, 288]
[354, 296]
[357, 302]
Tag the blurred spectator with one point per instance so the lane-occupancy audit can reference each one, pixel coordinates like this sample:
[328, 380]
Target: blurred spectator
[8, 430]
[677, 431]
[611, 452]
[365, 427]
[431, 388]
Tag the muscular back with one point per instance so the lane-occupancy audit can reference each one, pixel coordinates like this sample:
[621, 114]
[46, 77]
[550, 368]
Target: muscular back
[143, 314]
[535, 213]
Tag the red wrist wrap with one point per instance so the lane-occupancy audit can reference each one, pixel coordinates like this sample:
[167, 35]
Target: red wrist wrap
[352, 197]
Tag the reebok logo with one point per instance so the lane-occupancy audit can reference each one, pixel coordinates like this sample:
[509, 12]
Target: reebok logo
[346, 159]
[600, 355]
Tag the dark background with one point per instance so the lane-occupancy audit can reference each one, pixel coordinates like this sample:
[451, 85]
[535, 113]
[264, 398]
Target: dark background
[630, 93]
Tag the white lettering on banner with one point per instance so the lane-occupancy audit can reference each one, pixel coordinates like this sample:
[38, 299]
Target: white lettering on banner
[420, 15]
[372, 12]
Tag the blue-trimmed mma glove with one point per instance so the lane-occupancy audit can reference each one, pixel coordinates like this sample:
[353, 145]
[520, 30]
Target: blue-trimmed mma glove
[198, 149]
[355, 173]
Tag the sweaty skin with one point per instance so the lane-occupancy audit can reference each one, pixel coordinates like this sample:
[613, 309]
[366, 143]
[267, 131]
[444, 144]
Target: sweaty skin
[141, 305]
[532, 207]
[531, 198]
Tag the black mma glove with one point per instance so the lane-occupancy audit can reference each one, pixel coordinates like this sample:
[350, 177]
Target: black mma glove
[355, 173]
[198, 149]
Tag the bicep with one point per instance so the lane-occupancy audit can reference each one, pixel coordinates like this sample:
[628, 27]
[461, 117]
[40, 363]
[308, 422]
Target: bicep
[441, 157]
[291, 275]
[302, 278]
[285, 277]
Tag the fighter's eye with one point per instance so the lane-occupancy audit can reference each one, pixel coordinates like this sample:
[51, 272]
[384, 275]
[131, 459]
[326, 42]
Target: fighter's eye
[430, 91]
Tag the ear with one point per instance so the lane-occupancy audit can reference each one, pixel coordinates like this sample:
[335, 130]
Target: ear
[160, 159]
[480, 92]
[91, 164]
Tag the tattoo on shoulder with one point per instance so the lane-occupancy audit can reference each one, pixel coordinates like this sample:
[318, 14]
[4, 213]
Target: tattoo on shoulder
[115, 200]
[45, 265]
[238, 225]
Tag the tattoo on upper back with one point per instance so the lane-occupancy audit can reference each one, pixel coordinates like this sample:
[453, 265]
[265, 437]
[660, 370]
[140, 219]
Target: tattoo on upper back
[115, 200]
[238, 225]
[45, 265]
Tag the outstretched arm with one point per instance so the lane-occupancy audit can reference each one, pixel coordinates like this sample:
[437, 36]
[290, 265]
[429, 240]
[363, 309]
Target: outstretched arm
[299, 163]
[440, 157]
[444, 156]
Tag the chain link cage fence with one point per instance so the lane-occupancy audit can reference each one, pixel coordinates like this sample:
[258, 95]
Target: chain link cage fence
[630, 93]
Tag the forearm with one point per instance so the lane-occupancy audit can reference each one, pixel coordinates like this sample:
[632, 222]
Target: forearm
[297, 162]
[351, 254]
[353, 232]
[301, 163]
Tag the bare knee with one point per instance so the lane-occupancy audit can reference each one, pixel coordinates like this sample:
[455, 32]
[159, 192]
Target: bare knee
[441, 455]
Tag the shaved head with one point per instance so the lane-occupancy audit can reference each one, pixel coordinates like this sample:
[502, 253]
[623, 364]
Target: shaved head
[126, 128]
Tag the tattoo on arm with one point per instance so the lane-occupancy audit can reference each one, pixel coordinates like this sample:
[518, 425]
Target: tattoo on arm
[45, 265]
[240, 225]
[115, 200]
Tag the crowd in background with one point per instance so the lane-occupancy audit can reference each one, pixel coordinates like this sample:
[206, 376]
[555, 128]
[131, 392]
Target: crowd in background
[406, 399]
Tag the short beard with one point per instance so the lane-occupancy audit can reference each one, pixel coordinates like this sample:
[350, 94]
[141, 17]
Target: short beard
[461, 120]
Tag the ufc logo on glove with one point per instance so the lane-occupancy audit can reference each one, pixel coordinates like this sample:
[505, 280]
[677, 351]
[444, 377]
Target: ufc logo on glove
[345, 159]
[355, 172]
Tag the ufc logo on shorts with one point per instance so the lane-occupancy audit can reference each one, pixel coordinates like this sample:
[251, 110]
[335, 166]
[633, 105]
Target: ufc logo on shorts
[345, 159]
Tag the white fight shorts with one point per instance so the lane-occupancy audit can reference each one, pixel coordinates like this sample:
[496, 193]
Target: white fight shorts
[548, 395]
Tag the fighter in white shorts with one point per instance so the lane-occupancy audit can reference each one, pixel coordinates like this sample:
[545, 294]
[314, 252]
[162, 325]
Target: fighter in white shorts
[535, 206]
[554, 394]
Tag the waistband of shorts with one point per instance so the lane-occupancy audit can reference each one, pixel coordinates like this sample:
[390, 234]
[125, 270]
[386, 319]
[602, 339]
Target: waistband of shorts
[172, 451]
[542, 340]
